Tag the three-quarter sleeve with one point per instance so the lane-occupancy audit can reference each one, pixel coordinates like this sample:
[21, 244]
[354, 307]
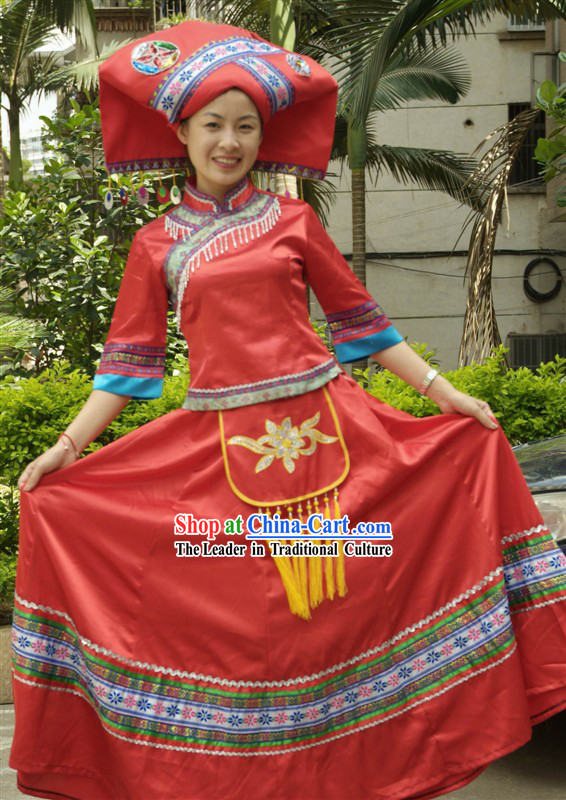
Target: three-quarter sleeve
[133, 359]
[357, 324]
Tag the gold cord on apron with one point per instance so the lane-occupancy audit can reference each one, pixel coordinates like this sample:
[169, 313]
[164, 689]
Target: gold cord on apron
[305, 581]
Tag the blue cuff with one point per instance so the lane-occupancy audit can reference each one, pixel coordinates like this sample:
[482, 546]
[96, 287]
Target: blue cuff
[367, 345]
[142, 388]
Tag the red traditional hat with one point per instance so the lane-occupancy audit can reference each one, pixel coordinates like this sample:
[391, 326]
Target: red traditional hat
[150, 85]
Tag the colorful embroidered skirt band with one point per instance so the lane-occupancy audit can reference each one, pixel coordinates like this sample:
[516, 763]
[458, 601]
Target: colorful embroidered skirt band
[139, 674]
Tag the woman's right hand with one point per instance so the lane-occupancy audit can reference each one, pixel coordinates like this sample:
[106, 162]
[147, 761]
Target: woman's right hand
[54, 458]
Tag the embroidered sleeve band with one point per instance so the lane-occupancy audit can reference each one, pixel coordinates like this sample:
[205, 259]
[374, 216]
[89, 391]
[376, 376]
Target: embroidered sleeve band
[361, 331]
[131, 369]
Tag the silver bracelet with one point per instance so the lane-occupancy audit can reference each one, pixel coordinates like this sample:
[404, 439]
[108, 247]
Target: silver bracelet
[427, 380]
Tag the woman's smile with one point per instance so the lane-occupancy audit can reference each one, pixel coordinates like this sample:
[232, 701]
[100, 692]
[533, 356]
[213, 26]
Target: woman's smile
[224, 162]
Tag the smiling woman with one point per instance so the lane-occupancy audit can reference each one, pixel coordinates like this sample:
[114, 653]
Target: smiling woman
[222, 140]
[289, 675]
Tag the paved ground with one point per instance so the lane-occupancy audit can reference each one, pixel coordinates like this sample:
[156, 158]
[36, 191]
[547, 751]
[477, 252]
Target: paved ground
[535, 772]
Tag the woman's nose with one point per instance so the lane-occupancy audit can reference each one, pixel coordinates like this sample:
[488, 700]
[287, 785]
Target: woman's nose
[229, 139]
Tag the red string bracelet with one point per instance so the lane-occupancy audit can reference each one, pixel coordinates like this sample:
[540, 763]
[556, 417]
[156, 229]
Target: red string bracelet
[66, 446]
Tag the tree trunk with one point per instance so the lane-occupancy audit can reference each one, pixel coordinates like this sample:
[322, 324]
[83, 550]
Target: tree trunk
[357, 153]
[1, 156]
[282, 32]
[16, 180]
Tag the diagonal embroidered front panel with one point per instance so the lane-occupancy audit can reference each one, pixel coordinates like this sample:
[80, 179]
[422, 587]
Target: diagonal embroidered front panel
[205, 235]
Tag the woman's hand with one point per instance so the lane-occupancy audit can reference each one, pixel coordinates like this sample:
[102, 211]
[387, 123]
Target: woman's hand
[54, 458]
[97, 413]
[404, 362]
[452, 401]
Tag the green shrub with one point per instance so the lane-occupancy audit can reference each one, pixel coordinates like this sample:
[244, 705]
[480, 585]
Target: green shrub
[528, 405]
[34, 411]
[63, 253]
[8, 562]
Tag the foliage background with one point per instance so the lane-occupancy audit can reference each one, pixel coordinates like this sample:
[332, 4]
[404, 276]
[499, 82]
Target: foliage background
[63, 254]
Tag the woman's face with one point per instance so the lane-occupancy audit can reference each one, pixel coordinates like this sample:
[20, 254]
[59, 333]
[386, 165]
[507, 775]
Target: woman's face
[222, 141]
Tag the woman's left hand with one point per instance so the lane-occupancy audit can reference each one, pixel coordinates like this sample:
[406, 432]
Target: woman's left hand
[452, 401]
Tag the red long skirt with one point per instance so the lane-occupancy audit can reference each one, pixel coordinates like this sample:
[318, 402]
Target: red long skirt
[139, 675]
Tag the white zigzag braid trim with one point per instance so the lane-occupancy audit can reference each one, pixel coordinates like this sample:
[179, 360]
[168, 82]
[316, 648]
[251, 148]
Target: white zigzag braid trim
[327, 739]
[529, 532]
[220, 244]
[489, 578]
[539, 605]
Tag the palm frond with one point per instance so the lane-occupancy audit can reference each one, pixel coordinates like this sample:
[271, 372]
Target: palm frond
[457, 19]
[77, 16]
[83, 74]
[22, 34]
[434, 170]
[421, 75]
[321, 195]
[481, 333]
[35, 74]
[373, 38]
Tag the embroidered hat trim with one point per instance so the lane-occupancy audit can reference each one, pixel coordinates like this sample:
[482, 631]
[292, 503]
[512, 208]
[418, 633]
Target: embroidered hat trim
[177, 89]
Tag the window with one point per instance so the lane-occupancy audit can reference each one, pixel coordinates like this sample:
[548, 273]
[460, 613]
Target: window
[522, 22]
[528, 350]
[526, 170]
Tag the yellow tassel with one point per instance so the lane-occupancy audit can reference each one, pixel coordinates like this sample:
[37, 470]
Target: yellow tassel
[286, 567]
[294, 597]
[295, 562]
[340, 566]
[315, 578]
[301, 574]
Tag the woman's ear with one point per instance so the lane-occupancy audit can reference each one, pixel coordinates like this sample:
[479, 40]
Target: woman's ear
[182, 132]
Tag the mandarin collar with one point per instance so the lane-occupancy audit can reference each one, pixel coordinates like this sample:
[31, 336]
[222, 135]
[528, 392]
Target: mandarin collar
[234, 198]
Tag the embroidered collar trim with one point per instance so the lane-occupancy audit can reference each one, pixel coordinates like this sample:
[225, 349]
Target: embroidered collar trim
[208, 234]
[233, 199]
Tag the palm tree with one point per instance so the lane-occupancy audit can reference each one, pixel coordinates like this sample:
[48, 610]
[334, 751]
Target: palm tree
[26, 26]
[397, 32]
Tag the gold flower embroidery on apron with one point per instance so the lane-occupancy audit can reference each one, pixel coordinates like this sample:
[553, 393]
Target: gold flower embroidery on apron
[284, 441]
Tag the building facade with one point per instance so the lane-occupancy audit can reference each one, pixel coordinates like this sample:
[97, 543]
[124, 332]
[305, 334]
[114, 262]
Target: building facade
[411, 232]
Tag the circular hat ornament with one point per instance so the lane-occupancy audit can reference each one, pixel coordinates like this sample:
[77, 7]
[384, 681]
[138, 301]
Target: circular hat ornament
[123, 196]
[298, 64]
[142, 196]
[162, 194]
[154, 56]
[175, 195]
[108, 200]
